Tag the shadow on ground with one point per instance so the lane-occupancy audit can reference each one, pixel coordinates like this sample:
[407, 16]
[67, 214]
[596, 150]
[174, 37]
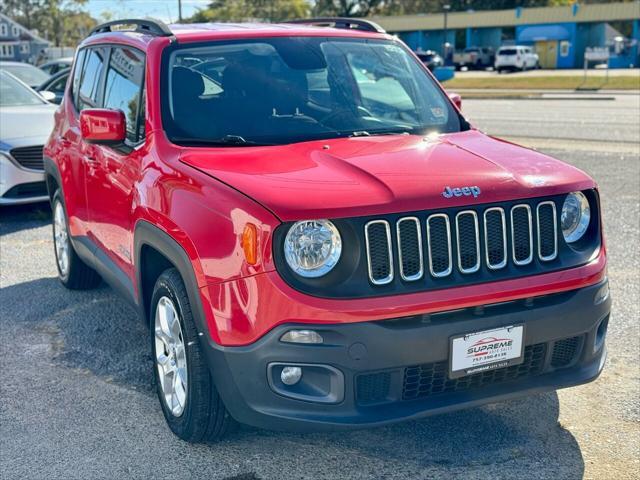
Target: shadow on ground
[23, 217]
[96, 332]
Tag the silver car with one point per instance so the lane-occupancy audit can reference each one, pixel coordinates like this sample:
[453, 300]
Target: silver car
[26, 120]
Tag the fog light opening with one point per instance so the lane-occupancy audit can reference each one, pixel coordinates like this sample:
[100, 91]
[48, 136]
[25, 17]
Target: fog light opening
[291, 375]
[601, 333]
[302, 336]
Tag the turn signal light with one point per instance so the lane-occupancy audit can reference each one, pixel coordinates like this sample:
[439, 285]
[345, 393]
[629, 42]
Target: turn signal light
[249, 243]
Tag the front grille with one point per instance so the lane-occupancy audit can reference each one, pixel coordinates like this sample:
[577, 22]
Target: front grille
[422, 381]
[465, 241]
[29, 157]
[27, 190]
[564, 352]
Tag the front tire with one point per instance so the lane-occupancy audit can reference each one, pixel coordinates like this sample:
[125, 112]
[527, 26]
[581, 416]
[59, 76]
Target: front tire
[72, 271]
[190, 402]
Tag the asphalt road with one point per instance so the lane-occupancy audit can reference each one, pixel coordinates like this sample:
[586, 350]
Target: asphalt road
[76, 399]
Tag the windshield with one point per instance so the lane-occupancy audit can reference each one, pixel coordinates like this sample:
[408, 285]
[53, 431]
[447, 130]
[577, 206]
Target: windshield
[15, 94]
[286, 90]
[29, 74]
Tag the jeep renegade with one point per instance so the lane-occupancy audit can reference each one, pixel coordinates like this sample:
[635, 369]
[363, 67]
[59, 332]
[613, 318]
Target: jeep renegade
[314, 234]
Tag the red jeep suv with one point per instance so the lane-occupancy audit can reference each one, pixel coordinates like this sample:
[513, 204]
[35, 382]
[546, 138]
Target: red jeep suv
[315, 235]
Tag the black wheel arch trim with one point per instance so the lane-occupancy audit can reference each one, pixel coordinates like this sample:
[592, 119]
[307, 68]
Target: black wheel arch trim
[51, 168]
[146, 234]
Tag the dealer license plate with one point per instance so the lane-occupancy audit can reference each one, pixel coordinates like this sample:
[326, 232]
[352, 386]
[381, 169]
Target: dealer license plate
[487, 350]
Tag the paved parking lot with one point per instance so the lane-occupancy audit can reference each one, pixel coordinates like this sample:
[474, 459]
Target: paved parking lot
[76, 399]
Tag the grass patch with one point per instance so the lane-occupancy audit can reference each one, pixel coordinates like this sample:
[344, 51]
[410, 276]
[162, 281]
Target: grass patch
[545, 83]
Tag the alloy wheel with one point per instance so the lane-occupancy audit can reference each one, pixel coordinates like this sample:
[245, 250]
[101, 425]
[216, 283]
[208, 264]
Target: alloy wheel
[61, 239]
[171, 358]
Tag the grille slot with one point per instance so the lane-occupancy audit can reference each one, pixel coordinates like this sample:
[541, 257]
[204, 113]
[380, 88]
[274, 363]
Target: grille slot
[521, 235]
[372, 388]
[495, 238]
[547, 226]
[379, 254]
[410, 248]
[29, 157]
[564, 352]
[439, 245]
[468, 241]
[423, 381]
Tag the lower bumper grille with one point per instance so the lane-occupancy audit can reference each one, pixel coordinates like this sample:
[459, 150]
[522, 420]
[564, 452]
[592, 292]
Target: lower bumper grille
[427, 380]
[27, 190]
[432, 378]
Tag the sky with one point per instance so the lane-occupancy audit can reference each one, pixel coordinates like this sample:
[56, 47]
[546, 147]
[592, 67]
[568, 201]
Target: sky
[165, 10]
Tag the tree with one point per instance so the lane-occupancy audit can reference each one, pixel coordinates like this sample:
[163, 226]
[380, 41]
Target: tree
[243, 10]
[61, 21]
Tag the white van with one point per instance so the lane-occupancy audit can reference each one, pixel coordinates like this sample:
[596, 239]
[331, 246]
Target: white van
[516, 57]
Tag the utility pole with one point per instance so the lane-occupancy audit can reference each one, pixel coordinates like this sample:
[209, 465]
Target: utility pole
[445, 47]
[179, 11]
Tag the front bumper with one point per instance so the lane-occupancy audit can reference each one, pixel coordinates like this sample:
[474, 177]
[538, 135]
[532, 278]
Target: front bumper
[20, 185]
[387, 371]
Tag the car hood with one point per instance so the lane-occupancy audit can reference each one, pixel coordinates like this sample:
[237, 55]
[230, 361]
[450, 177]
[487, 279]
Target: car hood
[30, 124]
[385, 174]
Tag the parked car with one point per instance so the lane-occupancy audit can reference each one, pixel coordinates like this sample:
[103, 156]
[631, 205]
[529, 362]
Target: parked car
[431, 59]
[55, 86]
[56, 66]
[324, 241]
[26, 120]
[474, 58]
[25, 72]
[516, 58]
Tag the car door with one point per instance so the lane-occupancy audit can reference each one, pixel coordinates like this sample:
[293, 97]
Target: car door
[115, 169]
[87, 72]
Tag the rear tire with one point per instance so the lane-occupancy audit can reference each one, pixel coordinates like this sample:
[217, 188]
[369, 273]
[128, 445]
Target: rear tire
[190, 402]
[72, 271]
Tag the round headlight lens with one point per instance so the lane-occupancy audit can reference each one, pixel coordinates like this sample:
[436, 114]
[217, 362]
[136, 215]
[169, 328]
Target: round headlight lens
[575, 218]
[312, 247]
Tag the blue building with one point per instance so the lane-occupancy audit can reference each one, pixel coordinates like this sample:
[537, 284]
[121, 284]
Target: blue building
[19, 44]
[560, 35]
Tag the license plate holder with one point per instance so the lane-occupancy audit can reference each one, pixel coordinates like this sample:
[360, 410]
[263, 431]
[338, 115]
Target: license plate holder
[486, 350]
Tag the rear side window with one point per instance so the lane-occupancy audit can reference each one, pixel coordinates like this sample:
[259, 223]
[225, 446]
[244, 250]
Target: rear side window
[77, 74]
[88, 93]
[123, 87]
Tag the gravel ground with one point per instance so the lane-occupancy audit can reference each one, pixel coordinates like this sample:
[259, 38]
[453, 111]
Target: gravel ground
[76, 399]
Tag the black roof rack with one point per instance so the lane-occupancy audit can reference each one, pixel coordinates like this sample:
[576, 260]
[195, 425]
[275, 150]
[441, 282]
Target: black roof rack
[148, 26]
[341, 22]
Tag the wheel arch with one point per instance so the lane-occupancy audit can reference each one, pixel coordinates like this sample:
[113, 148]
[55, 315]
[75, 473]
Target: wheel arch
[52, 177]
[154, 252]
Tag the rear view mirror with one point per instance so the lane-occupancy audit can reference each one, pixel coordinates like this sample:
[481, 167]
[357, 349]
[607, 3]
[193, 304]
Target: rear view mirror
[103, 126]
[456, 99]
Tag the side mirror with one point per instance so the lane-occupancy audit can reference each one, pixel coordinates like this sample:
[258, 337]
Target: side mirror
[456, 99]
[48, 96]
[103, 126]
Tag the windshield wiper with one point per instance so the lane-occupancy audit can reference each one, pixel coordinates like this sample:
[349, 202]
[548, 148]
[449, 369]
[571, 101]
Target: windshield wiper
[364, 133]
[227, 141]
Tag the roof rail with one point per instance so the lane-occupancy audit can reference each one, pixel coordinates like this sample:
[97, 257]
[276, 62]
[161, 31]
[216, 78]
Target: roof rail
[341, 22]
[148, 26]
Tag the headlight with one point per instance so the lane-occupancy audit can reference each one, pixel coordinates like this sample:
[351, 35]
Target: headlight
[575, 218]
[312, 247]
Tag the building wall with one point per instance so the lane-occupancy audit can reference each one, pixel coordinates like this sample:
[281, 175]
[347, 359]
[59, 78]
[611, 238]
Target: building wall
[17, 44]
[484, 37]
